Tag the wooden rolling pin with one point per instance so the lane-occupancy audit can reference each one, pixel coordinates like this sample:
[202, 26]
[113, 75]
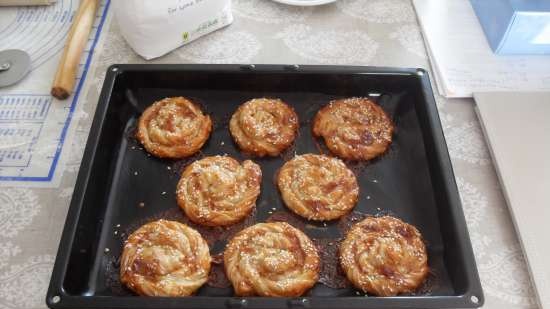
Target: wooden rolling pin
[65, 77]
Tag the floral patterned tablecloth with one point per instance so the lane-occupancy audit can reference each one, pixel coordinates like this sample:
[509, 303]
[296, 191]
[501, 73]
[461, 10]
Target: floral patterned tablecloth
[348, 32]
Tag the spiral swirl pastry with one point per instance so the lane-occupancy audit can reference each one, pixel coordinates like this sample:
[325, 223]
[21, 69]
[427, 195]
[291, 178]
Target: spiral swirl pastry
[165, 258]
[318, 187]
[173, 128]
[219, 190]
[354, 128]
[384, 256]
[264, 126]
[271, 259]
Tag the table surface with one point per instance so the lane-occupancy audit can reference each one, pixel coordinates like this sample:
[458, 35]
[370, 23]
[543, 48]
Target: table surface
[348, 32]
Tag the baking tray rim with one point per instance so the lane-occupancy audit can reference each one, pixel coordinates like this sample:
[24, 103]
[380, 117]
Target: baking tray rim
[57, 297]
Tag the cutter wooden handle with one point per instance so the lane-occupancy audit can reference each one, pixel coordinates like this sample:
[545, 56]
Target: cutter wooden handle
[83, 21]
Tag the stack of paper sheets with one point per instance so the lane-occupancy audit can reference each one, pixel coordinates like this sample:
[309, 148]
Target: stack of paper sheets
[461, 57]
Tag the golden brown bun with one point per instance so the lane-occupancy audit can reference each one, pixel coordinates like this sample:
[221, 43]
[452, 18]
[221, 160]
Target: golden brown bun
[219, 190]
[384, 256]
[354, 128]
[173, 128]
[318, 187]
[165, 258]
[271, 259]
[264, 126]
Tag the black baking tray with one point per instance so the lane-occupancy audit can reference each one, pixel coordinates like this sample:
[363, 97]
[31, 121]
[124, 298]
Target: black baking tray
[120, 186]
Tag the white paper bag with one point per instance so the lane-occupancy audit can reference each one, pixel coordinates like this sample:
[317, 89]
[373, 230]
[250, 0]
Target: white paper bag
[155, 27]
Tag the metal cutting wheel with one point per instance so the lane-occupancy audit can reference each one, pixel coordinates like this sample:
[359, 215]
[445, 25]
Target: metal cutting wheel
[14, 65]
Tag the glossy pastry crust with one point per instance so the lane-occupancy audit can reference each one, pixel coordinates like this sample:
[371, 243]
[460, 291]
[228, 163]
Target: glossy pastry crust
[264, 126]
[384, 256]
[218, 190]
[271, 259]
[354, 128]
[318, 187]
[173, 128]
[165, 258]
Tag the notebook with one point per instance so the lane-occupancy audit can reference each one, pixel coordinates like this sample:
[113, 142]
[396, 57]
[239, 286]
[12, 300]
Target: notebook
[517, 128]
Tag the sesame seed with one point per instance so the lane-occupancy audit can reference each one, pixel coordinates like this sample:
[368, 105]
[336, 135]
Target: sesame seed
[163, 192]
[135, 173]
[141, 204]
[118, 225]
[168, 168]
[107, 250]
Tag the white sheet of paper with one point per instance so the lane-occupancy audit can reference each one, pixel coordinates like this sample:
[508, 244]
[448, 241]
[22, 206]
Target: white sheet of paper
[34, 127]
[518, 132]
[462, 58]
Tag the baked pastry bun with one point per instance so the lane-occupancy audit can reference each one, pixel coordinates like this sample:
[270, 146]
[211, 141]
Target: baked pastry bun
[318, 187]
[165, 258]
[264, 126]
[354, 128]
[218, 190]
[271, 259]
[384, 256]
[173, 128]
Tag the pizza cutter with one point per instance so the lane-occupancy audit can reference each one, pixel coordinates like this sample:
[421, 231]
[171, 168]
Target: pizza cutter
[14, 65]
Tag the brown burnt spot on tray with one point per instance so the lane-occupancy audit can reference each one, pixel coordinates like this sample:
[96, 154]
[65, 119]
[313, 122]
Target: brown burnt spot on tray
[217, 258]
[284, 215]
[289, 153]
[331, 274]
[112, 277]
[346, 222]
[357, 167]
[217, 277]
[430, 284]
[319, 146]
